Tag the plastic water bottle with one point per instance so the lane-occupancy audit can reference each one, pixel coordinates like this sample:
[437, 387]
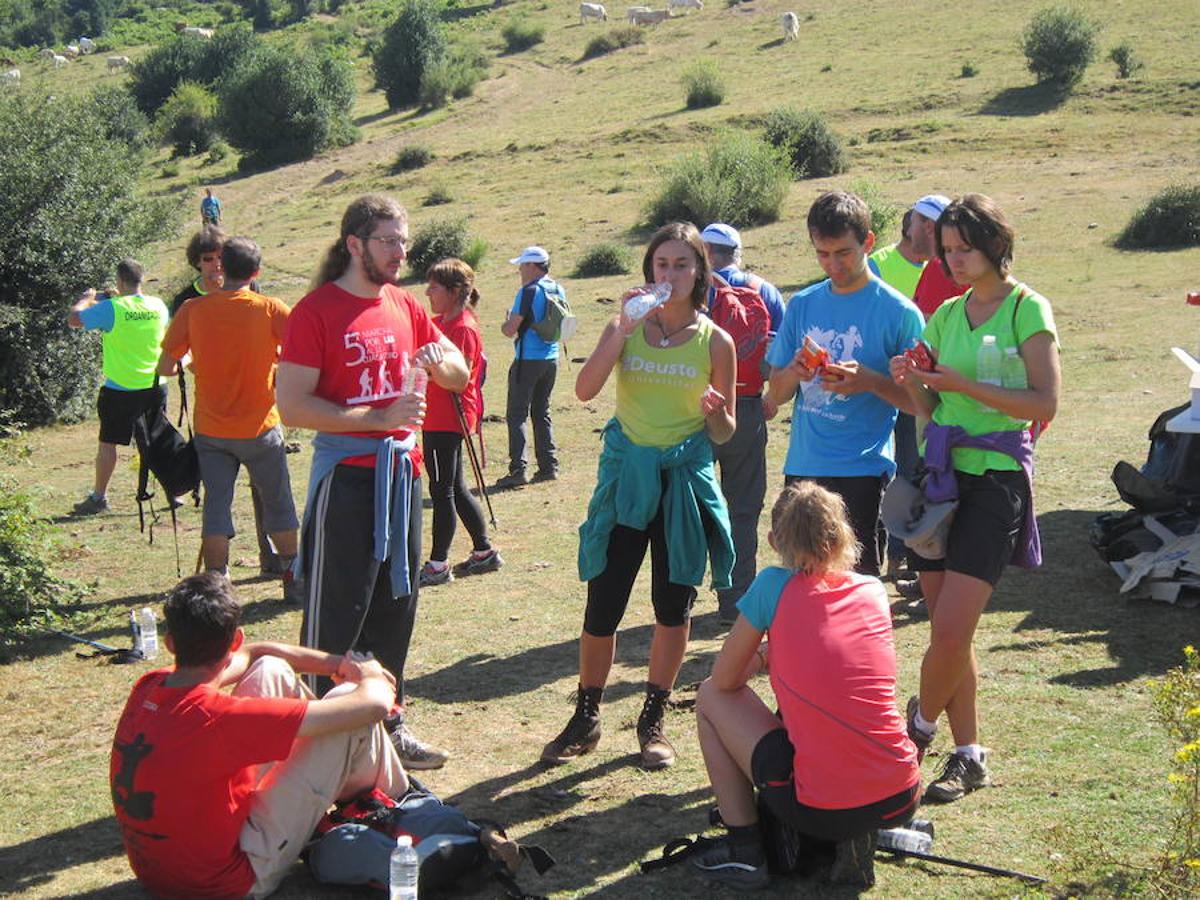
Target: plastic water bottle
[416, 379]
[149, 632]
[135, 631]
[403, 871]
[989, 362]
[1012, 373]
[909, 840]
[641, 305]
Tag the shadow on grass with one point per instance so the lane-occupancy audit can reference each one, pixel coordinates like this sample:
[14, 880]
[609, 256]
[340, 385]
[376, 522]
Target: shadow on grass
[28, 865]
[1030, 100]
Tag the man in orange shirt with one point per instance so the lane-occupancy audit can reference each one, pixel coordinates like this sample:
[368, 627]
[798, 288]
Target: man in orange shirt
[234, 336]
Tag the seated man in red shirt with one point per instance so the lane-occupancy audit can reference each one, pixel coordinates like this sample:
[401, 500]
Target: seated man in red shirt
[215, 793]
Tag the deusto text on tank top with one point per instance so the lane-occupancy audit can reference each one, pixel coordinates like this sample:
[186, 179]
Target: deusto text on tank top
[647, 370]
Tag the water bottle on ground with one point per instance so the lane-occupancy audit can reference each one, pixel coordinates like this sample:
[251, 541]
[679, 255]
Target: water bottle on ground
[909, 840]
[641, 305]
[149, 631]
[404, 869]
[1012, 373]
[989, 362]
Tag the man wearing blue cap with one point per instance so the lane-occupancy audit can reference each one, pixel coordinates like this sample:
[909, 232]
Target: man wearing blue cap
[533, 372]
[724, 247]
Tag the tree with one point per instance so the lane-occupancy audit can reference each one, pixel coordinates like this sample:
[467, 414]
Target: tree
[70, 211]
[409, 46]
[188, 57]
[1059, 44]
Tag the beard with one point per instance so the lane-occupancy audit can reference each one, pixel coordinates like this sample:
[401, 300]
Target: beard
[376, 275]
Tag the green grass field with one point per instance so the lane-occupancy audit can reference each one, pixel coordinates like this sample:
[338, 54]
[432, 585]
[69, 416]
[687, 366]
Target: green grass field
[553, 151]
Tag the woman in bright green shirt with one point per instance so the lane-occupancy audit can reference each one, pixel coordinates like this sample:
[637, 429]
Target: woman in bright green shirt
[994, 490]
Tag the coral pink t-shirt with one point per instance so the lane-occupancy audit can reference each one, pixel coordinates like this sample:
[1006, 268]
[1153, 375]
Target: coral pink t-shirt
[463, 332]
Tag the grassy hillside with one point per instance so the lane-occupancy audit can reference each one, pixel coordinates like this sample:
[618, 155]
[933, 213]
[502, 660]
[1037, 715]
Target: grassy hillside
[565, 153]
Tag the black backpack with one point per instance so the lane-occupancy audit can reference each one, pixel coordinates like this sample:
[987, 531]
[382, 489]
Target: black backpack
[173, 461]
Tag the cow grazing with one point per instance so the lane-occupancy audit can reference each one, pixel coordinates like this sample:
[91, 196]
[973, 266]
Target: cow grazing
[592, 11]
[685, 4]
[791, 26]
[87, 45]
[651, 17]
[60, 62]
[71, 51]
[11, 78]
[116, 63]
[205, 33]
[634, 10]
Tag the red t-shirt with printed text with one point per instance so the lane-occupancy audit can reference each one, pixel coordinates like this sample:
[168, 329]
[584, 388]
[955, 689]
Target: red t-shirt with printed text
[183, 774]
[463, 332]
[358, 344]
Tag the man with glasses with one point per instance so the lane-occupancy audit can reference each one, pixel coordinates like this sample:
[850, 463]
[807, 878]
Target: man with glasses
[350, 344]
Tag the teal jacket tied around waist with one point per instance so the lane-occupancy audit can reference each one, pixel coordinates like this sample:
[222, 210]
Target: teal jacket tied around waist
[629, 488]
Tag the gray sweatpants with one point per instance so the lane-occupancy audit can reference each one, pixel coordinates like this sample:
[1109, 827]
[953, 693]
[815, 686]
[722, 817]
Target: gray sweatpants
[743, 463]
[530, 382]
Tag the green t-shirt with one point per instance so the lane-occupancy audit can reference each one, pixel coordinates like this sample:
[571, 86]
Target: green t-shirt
[956, 344]
[893, 269]
[659, 389]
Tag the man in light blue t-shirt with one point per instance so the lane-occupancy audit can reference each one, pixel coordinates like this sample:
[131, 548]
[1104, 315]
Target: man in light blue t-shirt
[844, 411]
[533, 372]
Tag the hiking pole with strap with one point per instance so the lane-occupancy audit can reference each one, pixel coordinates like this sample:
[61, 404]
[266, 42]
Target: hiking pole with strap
[475, 467]
[964, 864]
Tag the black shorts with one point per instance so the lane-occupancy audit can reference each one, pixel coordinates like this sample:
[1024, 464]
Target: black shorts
[862, 495]
[118, 410]
[986, 526]
[771, 769]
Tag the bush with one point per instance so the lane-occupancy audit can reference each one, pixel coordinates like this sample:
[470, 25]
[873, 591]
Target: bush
[413, 43]
[414, 156]
[437, 240]
[123, 121]
[616, 39]
[603, 259]
[521, 34]
[188, 120]
[703, 85]
[71, 209]
[155, 77]
[1059, 44]
[438, 195]
[454, 77]
[1177, 708]
[968, 70]
[300, 103]
[737, 179]
[884, 213]
[475, 252]
[812, 149]
[1170, 219]
[1126, 59]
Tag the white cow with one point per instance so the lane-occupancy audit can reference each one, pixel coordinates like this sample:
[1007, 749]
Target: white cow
[205, 33]
[633, 10]
[791, 26]
[117, 62]
[46, 54]
[86, 45]
[685, 4]
[593, 11]
[11, 78]
[652, 17]
[60, 61]
[71, 51]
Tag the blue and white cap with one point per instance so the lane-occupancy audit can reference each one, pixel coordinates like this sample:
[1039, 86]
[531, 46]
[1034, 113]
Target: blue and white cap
[721, 235]
[931, 206]
[531, 255]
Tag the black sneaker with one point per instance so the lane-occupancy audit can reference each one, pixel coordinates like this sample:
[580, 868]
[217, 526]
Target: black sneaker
[915, 734]
[511, 481]
[582, 733]
[720, 864]
[91, 505]
[480, 564]
[854, 861]
[959, 777]
[544, 475]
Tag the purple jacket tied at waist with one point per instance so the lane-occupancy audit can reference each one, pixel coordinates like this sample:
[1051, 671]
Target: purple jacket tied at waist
[942, 485]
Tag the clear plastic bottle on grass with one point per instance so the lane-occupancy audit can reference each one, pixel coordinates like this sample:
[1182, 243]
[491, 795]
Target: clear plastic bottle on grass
[148, 626]
[909, 840]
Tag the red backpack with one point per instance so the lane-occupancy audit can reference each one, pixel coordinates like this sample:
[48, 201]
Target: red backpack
[741, 312]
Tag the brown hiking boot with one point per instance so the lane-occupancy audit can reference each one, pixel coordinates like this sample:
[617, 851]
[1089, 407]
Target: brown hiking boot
[854, 861]
[657, 752]
[582, 733]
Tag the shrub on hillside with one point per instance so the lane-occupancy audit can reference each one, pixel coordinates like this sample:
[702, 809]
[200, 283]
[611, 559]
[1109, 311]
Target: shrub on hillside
[438, 195]
[71, 210]
[616, 39]
[521, 34]
[702, 84]
[603, 259]
[1059, 44]
[439, 239]
[812, 149]
[884, 213]
[188, 120]
[452, 77]
[279, 107]
[189, 58]
[1170, 219]
[123, 121]
[1126, 60]
[414, 156]
[737, 179]
[1177, 708]
[413, 43]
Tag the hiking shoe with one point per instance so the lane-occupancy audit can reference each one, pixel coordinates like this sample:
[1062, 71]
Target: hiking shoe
[719, 863]
[854, 861]
[915, 734]
[431, 573]
[271, 564]
[91, 505]
[544, 475]
[511, 480]
[414, 753]
[474, 564]
[293, 589]
[657, 752]
[959, 777]
[582, 733]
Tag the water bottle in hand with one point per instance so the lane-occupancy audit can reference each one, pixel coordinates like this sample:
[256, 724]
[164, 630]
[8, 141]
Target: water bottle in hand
[416, 379]
[641, 305]
[404, 870]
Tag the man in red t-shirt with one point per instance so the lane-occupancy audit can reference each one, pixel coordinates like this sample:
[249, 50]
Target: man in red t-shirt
[216, 794]
[347, 354]
[935, 285]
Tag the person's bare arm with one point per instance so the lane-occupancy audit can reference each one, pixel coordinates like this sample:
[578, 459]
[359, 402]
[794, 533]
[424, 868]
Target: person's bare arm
[594, 373]
[783, 381]
[720, 404]
[300, 407]
[445, 364]
[511, 324]
[740, 658]
[86, 299]
[850, 377]
[368, 703]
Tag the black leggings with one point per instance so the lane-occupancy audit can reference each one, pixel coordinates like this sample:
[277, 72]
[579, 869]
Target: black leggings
[450, 495]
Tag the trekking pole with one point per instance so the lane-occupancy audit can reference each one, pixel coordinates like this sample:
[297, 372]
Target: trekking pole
[963, 864]
[475, 467]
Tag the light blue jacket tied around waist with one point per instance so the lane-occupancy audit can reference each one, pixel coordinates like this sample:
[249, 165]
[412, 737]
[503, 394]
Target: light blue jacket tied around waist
[393, 494]
[629, 488]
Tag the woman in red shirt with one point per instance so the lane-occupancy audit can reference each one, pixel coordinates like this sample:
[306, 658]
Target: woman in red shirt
[452, 298]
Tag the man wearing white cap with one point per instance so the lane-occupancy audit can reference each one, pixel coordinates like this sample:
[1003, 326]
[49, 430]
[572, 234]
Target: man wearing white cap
[935, 285]
[743, 458]
[533, 372]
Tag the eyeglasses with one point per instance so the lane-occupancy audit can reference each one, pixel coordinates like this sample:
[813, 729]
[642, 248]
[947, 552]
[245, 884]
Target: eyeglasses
[391, 243]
